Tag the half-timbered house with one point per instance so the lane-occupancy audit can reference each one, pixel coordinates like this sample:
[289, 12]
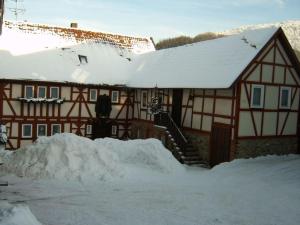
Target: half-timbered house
[51, 78]
[237, 96]
[232, 97]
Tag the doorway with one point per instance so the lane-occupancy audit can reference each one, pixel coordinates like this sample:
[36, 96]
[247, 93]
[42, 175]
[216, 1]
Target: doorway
[220, 141]
[177, 106]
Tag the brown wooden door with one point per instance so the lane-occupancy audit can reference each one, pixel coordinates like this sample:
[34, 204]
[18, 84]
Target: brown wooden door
[177, 106]
[220, 141]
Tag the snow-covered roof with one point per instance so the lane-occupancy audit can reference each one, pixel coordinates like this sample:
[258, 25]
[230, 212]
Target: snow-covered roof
[210, 64]
[40, 52]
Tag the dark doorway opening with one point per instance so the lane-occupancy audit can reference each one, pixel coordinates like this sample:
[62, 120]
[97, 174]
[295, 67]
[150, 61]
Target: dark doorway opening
[177, 106]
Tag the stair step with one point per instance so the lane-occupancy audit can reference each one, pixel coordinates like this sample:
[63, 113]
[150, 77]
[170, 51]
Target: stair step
[191, 158]
[192, 162]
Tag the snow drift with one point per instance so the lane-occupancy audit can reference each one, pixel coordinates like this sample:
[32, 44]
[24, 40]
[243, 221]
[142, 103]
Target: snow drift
[16, 215]
[68, 156]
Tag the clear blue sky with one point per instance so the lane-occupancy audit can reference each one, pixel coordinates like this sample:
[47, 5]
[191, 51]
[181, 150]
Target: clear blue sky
[157, 18]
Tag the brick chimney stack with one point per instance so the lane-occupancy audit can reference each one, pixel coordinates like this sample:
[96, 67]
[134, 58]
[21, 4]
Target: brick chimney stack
[74, 25]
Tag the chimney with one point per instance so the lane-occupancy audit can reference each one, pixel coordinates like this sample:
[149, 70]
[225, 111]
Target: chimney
[74, 25]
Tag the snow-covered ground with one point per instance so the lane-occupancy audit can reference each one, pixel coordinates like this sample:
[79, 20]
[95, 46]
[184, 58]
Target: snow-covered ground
[70, 180]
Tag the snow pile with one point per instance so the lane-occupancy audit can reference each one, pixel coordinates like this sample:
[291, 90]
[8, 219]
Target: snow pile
[147, 154]
[68, 156]
[16, 215]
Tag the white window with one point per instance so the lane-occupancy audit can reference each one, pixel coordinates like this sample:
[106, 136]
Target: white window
[89, 129]
[42, 92]
[144, 100]
[54, 92]
[41, 130]
[285, 97]
[26, 130]
[83, 59]
[29, 91]
[93, 95]
[114, 129]
[55, 129]
[257, 96]
[115, 96]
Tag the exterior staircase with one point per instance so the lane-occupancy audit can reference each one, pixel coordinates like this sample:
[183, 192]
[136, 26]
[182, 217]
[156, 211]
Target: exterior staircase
[177, 143]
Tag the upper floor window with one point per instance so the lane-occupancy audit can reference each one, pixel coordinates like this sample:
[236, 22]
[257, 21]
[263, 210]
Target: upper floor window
[54, 92]
[144, 101]
[115, 96]
[257, 97]
[93, 94]
[29, 91]
[42, 92]
[83, 59]
[285, 97]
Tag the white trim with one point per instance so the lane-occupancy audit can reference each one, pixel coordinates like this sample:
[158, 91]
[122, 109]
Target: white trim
[261, 104]
[89, 129]
[142, 98]
[51, 92]
[112, 94]
[26, 91]
[26, 136]
[114, 130]
[55, 125]
[91, 99]
[289, 97]
[38, 93]
[37, 130]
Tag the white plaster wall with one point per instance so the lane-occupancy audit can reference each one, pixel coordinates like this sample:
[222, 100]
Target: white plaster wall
[267, 71]
[223, 107]
[66, 93]
[271, 96]
[245, 125]
[291, 124]
[207, 123]
[16, 91]
[269, 126]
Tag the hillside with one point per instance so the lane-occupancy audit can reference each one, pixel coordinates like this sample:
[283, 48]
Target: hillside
[291, 29]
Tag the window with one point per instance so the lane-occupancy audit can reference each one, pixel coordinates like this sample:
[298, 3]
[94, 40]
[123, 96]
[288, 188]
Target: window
[93, 95]
[89, 129]
[42, 92]
[285, 97]
[115, 96]
[55, 129]
[114, 129]
[29, 93]
[144, 102]
[54, 92]
[41, 130]
[257, 97]
[27, 130]
[82, 59]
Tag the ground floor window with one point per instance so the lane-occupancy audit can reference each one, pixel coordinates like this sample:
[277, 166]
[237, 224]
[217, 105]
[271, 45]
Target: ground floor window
[89, 129]
[27, 130]
[114, 130]
[41, 130]
[55, 129]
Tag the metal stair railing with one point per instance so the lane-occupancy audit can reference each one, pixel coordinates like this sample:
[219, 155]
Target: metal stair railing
[164, 119]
